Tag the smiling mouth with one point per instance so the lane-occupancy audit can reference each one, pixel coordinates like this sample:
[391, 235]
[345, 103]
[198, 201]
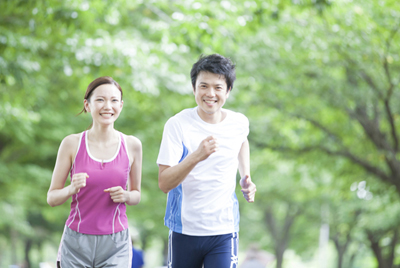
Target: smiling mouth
[106, 115]
[210, 101]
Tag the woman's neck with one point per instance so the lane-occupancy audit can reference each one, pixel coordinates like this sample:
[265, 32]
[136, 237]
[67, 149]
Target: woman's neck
[102, 134]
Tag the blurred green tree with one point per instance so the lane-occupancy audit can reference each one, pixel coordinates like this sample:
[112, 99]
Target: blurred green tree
[317, 79]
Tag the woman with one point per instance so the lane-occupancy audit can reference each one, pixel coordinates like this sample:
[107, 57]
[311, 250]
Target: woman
[105, 170]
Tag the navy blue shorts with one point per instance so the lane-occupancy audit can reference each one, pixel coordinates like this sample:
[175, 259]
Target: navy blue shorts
[216, 251]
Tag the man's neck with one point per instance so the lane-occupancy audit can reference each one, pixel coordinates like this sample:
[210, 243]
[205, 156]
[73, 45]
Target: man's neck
[213, 118]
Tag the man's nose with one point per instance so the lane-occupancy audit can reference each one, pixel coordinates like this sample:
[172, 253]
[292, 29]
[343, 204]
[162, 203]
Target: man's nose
[211, 92]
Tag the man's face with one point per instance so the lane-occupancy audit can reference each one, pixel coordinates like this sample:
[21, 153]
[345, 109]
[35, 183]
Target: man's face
[210, 93]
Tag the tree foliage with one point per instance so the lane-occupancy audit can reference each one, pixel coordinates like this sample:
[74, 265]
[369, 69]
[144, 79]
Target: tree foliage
[319, 81]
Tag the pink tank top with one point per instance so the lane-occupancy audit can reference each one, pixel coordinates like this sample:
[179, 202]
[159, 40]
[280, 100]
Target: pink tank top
[92, 210]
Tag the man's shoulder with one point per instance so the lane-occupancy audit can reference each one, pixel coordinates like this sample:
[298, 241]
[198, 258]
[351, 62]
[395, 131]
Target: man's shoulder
[182, 116]
[188, 112]
[237, 116]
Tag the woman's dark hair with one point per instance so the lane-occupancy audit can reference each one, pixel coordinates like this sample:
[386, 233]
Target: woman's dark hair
[95, 84]
[216, 64]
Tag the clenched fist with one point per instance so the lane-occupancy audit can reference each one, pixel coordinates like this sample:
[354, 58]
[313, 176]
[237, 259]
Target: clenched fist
[117, 194]
[207, 146]
[78, 181]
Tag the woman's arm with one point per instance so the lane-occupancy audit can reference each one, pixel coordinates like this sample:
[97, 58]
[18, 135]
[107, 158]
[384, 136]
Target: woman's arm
[132, 195]
[58, 193]
[135, 175]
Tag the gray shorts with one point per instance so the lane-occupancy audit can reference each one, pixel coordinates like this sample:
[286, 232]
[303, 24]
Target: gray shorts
[83, 250]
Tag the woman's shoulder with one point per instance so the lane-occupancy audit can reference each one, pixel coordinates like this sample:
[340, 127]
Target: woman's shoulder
[132, 141]
[68, 146]
[71, 141]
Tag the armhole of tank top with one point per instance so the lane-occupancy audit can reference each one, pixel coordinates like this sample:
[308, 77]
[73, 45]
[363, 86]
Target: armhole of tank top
[77, 150]
[126, 148]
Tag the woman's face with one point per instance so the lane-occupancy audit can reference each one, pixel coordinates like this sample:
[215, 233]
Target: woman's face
[104, 104]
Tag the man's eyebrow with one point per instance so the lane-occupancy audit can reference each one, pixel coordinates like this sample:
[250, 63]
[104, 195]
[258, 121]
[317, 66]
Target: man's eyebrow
[217, 84]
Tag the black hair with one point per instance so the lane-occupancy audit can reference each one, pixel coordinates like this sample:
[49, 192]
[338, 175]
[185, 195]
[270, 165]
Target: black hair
[216, 64]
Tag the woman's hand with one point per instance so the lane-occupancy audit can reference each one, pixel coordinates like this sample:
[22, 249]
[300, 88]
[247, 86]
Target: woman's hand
[117, 194]
[78, 181]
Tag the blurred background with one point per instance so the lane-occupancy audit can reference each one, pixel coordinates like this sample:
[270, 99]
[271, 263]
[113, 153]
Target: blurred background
[318, 80]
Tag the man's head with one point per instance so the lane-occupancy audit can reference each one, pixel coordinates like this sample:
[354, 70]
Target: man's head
[216, 64]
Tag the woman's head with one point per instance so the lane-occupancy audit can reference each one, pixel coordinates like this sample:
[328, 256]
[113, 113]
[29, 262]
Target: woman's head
[95, 84]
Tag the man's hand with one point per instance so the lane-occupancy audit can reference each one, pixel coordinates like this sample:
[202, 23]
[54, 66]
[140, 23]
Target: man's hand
[248, 188]
[207, 146]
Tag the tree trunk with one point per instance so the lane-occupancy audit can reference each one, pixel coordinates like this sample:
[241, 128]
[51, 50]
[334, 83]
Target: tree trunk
[28, 246]
[393, 244]
[341, 248]
[353, 256]
[279, 260]
[279, 251]
[281, 235]
[13, 238]
[383, 261]
[376, 250]
[340, 259]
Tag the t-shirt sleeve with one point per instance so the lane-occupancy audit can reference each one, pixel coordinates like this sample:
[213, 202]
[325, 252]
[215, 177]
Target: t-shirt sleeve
[171, 148]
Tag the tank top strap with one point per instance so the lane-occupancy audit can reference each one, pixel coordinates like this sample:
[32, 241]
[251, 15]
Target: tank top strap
[80, 150]
[82, 143]
[124, 145]
[83, 138]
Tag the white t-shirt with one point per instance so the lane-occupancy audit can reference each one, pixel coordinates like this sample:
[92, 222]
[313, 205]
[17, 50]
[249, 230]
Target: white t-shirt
[205, 202]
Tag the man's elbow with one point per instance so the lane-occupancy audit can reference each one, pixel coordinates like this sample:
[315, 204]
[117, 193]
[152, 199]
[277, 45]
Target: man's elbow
[162, 187]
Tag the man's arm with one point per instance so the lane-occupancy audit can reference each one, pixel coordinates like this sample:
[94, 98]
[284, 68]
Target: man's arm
[170, 177]
[248, 187]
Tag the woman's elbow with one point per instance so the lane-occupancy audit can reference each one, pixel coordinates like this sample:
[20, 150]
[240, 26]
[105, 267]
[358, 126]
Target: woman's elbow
[50, 200]
[137, 199]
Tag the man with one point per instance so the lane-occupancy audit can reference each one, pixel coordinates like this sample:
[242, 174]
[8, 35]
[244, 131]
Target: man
[137, 254]
[201, 151]
[137, 258]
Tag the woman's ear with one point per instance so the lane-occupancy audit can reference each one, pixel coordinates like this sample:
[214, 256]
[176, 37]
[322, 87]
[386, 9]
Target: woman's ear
[86, 105]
